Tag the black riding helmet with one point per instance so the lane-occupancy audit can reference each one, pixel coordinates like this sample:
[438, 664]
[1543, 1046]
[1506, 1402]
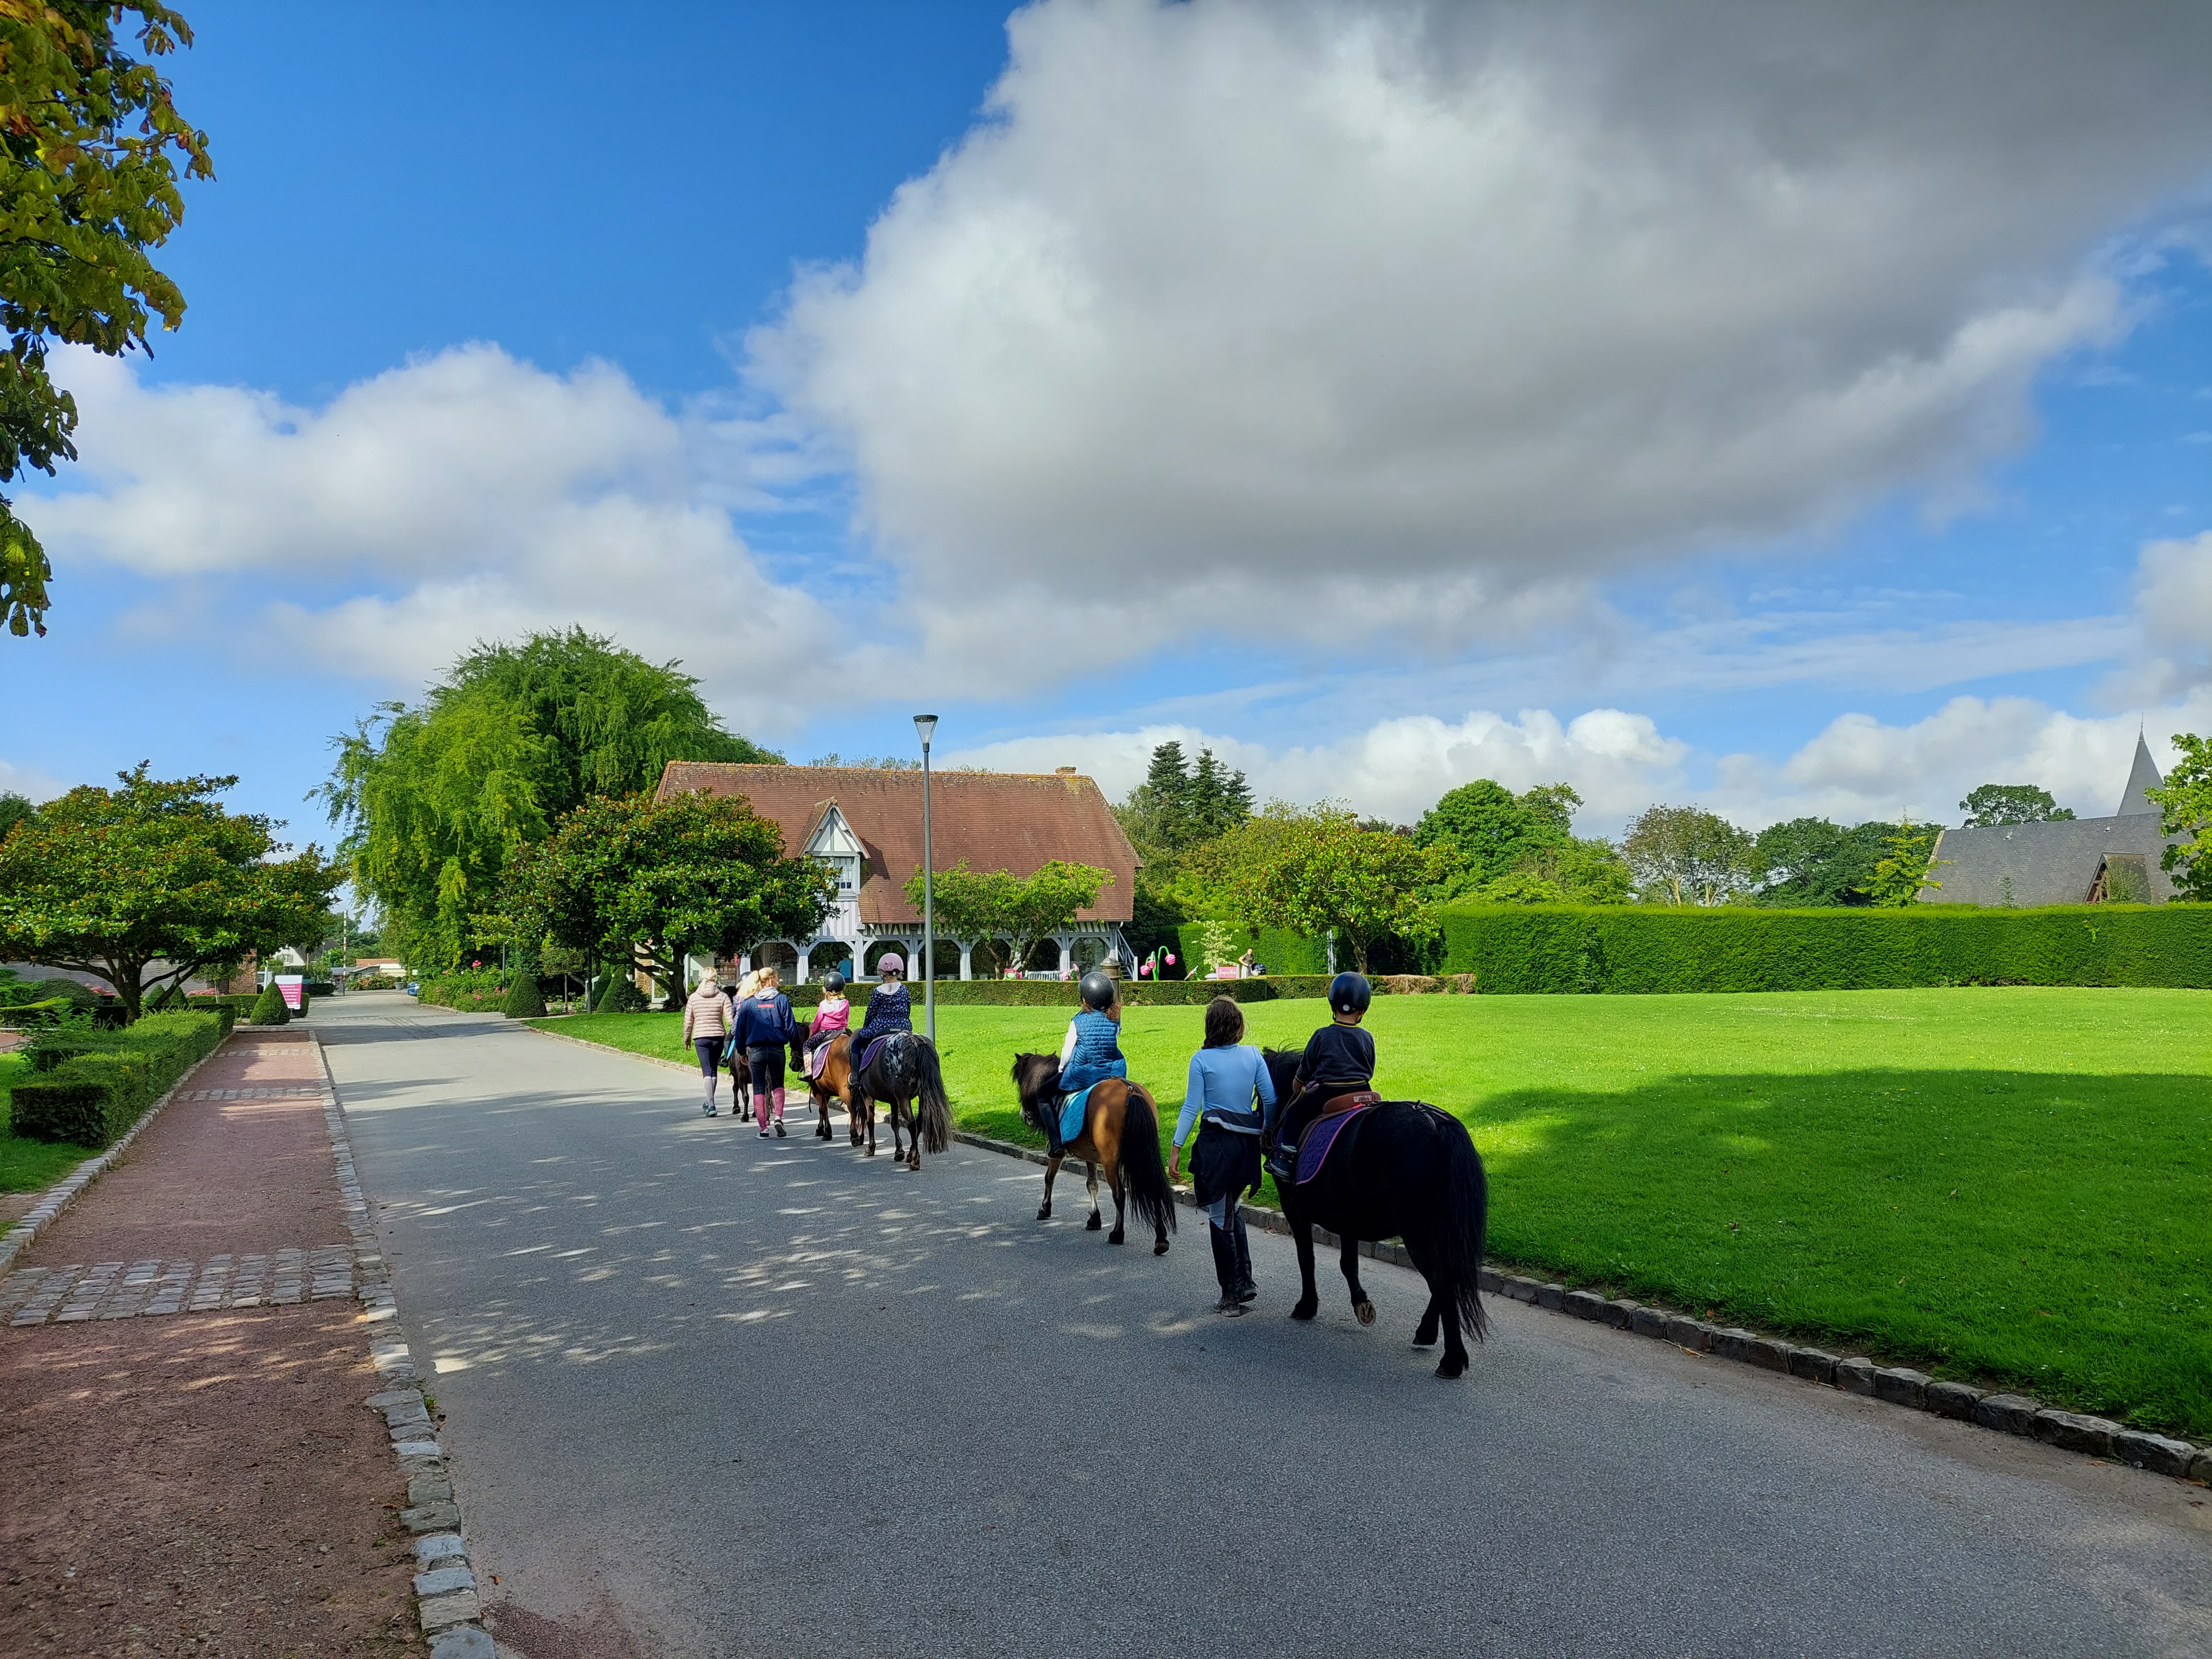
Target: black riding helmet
[833, 983]
[1350, 994]
[1098, 989]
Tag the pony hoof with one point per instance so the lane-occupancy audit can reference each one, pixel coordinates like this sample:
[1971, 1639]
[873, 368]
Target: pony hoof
[871, 1151]
[1365, 1310]
[1159, 1247]
[1045, 1214]
[1093, 1225]
[1420, 1341]
[1115, 1237]
[1449, 1368]
[1306, 1309]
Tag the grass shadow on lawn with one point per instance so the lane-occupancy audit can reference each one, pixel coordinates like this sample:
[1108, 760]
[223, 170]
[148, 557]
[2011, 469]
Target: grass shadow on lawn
[2043, 1230]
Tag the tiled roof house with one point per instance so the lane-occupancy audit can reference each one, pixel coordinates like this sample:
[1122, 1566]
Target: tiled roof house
[866, 823]
[2071, 861]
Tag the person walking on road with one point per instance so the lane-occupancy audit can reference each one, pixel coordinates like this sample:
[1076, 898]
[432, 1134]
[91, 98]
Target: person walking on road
[706, 1028]
[1226, 1076]
[764, 1031]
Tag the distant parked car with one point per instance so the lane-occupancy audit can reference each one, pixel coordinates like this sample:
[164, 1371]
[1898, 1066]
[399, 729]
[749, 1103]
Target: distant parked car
[415, 988]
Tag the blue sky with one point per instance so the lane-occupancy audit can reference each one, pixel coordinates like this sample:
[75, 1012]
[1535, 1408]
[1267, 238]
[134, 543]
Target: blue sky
[1382, 400]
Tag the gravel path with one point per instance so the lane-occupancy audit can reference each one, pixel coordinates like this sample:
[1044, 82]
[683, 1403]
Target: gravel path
[710, 1393]
[190, 1469]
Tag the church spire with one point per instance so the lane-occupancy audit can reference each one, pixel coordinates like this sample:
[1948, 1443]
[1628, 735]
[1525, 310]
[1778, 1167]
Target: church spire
[2143, 774]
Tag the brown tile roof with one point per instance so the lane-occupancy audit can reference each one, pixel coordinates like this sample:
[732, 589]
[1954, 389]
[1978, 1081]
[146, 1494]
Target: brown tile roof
[995, 820]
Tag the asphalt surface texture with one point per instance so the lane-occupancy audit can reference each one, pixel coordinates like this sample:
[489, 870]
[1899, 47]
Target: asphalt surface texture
[712, 1394]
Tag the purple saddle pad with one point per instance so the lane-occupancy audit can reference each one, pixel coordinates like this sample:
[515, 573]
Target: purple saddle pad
[874, 1048]
[1321, 1139]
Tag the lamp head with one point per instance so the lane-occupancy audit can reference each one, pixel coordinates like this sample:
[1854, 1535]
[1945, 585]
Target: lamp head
[926, 725]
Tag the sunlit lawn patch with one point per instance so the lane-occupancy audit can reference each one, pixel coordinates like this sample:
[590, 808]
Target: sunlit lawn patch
[2012, 1185]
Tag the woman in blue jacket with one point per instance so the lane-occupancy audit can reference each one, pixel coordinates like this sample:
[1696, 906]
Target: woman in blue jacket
[1226, 1076]
[764, 1034]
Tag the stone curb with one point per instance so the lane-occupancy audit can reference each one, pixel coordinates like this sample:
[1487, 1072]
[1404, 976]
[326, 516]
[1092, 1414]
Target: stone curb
[1898, 1385]
[59, 1196]
[446, 1600]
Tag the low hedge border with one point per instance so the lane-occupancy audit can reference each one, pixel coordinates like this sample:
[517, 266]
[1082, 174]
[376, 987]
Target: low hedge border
[1644, 950]
[58, 1197]
[90, 1092]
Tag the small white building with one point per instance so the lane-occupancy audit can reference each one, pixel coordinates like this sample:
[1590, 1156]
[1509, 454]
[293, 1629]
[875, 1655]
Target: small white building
[865, 824]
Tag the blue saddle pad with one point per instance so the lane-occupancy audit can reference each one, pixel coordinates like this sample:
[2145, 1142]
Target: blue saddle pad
[1322, 1135]
[1073, 1112]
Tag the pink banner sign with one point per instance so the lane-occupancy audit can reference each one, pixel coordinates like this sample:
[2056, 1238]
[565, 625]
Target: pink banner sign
[291, 988]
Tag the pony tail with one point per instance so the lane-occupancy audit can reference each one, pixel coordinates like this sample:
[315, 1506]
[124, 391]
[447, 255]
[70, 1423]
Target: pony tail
[1143, 1174]
[1468, 1203]
[932, 1118]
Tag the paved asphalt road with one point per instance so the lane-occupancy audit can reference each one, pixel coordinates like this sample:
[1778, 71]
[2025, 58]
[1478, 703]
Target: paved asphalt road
[710, 1394]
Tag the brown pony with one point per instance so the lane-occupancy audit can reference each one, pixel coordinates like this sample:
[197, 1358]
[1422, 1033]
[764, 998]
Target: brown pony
[1120, 1134]
[836, 1076]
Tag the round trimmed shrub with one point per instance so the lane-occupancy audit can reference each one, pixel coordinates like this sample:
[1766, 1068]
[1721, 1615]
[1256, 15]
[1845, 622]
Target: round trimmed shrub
[523, 999]
[269, 1007]
[621, 997]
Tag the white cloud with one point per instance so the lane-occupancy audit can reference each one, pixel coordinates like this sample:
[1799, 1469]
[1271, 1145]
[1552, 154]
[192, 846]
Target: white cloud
[1316, 318]
[34, 783]
[1397, 768]
[2173, 599]
[464, 496]
[1859, 769]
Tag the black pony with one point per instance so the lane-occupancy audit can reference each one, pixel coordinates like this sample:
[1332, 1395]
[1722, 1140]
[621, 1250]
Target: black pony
[904, 1075]
[1411, 1173]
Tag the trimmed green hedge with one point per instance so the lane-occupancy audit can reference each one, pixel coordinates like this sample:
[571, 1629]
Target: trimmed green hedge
[1279, 950]
[1545, 948]
[1061, 993]
[99, 1088]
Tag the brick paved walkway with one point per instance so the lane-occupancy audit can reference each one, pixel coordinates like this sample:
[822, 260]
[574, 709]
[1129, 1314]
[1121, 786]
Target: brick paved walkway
[208, 1483]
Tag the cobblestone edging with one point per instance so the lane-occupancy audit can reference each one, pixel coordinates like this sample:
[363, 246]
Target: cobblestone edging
[116, 1290]
[1898, 1385]
[447, 1598]
[59, 1196]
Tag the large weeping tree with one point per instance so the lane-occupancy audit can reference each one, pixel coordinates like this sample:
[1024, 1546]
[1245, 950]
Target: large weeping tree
[90, 153]
[435, 800]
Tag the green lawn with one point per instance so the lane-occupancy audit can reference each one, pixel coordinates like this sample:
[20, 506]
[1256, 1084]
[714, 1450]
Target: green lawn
[29, 1166]
[2010, 1186]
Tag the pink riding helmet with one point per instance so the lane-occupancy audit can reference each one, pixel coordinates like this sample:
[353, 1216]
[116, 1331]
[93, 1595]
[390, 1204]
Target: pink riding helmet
[893, 963]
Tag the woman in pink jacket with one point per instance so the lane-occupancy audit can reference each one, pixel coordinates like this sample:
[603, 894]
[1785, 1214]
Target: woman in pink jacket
[706, 1028]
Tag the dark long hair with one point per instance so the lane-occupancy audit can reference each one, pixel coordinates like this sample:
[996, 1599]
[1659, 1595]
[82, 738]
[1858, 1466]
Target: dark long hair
[1225, 1023]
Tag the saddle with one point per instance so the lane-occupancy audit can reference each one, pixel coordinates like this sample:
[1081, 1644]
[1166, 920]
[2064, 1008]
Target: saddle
[1326, 1133]
[1074, 1112]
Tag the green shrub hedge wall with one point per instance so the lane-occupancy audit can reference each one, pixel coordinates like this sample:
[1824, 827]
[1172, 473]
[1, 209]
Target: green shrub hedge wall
[1545, 948]
[1061, 993]
[100, 1088]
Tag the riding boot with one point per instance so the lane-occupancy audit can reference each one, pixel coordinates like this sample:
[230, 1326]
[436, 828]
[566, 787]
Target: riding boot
[1053, 1145]
[1246, 1290]
[1224, 1268]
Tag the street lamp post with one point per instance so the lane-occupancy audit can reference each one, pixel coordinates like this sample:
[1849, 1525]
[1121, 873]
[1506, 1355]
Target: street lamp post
[926, 725]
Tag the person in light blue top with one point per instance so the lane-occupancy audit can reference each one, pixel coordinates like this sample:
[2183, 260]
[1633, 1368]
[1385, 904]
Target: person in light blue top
[1226, 1077]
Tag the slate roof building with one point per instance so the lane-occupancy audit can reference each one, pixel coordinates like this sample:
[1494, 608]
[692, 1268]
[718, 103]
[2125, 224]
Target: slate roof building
[2072, 861]
[865, 824]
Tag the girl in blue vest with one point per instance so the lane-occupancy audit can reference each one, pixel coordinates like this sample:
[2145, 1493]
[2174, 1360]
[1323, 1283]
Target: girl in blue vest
[1092, 1050]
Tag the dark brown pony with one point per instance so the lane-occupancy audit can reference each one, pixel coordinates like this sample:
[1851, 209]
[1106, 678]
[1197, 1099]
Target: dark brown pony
[904, 1077]
[1120, 1134]
[1411, 1172]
